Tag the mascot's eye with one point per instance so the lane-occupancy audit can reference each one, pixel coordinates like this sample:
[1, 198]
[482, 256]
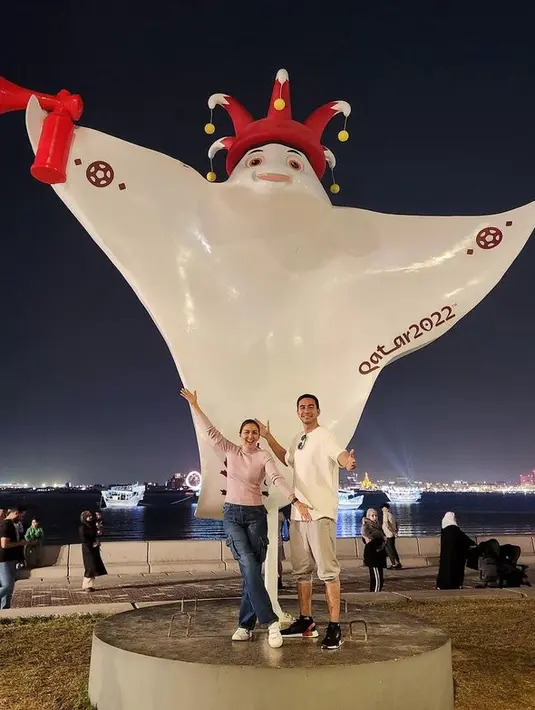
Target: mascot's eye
[295, 164]
[254, 161]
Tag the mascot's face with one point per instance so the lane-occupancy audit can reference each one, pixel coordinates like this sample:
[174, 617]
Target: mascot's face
[276, 168]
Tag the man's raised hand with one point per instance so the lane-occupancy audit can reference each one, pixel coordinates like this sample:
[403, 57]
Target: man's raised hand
[265, 431]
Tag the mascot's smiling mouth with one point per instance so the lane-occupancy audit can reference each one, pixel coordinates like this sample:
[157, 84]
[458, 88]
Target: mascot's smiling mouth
[273, 177]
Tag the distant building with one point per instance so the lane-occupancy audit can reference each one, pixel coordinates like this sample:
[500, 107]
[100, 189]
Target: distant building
[176, 482]
[367, 484]
[527, 479]
[352, 480]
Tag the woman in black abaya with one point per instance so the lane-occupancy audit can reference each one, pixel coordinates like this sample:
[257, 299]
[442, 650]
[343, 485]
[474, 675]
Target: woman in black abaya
[454, 546]
[93, 565]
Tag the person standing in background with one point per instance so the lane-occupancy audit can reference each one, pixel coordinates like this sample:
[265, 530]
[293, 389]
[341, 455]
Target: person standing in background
[454, 547]
[33, 553]
[374, 549]
[93, 565]
[390, 531]
[10, 545]
[19, 527]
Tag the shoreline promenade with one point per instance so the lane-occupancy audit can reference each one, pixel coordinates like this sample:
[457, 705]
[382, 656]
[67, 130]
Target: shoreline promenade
[115, 593]
[166, 570]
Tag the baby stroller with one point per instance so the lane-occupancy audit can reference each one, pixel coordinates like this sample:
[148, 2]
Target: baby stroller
[498, 565]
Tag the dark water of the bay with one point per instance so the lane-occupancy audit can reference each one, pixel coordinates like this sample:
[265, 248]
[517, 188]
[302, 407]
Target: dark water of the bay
[477, 514]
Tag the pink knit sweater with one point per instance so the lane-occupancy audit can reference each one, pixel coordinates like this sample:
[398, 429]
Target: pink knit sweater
[246, 472]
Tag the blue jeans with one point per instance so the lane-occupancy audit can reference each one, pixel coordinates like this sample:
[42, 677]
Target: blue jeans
[246, 529]
[7, 583]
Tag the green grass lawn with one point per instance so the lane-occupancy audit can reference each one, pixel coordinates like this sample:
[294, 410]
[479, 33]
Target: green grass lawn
[45, 662]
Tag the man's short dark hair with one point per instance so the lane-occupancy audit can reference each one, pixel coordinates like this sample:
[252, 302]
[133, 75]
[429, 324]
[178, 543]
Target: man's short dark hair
[308, 396]
[385, 505]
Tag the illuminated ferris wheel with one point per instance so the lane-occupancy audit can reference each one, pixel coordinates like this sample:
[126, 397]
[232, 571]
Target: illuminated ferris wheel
[193, 481]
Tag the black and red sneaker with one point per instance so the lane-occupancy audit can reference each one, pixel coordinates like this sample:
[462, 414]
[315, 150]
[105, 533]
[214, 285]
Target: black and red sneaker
[304, 627]
[333, 637]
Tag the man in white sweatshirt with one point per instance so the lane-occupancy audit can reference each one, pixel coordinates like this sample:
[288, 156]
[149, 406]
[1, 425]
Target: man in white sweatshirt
[316, 459]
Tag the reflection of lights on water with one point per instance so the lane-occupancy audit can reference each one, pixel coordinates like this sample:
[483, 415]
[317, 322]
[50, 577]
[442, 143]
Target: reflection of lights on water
[124, 523]
[348, 523]
[136, 509]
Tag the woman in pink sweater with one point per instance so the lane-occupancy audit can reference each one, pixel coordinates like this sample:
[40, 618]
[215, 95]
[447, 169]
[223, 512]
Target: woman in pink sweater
[245, 518]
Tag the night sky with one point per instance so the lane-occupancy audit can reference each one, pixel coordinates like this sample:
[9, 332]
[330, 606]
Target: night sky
[443, 122]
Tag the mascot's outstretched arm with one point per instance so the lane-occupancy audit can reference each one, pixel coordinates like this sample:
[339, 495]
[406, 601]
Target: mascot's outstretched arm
[420, 275]
[132, 201]
[139, 206]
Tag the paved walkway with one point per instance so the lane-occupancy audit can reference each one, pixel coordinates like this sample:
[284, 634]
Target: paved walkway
[136, 589]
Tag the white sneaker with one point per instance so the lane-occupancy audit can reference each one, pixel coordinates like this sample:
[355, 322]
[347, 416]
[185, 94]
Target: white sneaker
[242, 634]
[274, 635]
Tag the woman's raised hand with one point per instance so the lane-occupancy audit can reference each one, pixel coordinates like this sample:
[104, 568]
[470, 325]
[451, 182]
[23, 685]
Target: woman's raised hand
[190, 397]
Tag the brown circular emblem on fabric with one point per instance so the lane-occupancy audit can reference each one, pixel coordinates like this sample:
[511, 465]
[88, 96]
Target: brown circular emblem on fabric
[489, 238]
[100, 174]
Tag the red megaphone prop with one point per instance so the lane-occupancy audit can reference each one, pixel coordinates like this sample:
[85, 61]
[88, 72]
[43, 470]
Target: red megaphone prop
[58, 127]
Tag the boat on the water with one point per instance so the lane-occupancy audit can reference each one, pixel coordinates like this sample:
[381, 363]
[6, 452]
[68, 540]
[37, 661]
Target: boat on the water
[349, 500]
[128, 496]
[403, 495]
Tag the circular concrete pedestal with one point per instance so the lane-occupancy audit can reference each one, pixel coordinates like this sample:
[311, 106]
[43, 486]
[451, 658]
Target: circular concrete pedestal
[158, 657]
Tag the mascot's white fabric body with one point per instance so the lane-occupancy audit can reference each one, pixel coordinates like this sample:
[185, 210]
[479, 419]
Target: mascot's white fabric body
[261, 288]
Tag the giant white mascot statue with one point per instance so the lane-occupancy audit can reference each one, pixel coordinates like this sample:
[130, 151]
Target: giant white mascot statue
[261, 288]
